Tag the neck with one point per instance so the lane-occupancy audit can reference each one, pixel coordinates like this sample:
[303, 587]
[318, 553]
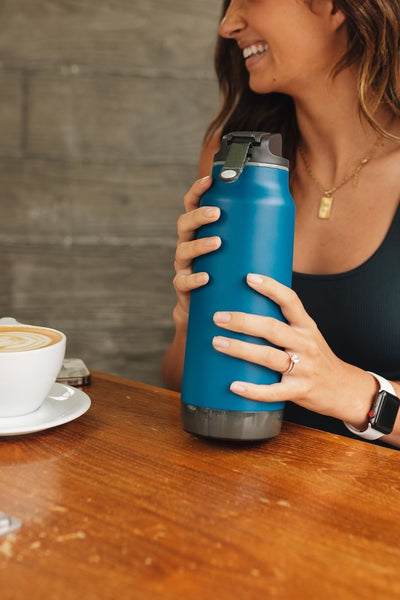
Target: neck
[333, 132]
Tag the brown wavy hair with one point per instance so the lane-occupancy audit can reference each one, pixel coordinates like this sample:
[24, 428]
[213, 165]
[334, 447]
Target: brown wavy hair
[373, 31]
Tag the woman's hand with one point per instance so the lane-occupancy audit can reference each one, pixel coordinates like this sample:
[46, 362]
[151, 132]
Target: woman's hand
[188, 248]
[320, 381]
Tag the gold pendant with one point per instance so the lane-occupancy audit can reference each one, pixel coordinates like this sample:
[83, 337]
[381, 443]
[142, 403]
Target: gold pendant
[325, 207]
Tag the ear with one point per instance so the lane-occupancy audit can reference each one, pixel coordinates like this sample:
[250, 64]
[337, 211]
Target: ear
[337, 14]
[330, 10]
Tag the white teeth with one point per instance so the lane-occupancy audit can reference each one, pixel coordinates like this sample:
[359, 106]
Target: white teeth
[254, 49]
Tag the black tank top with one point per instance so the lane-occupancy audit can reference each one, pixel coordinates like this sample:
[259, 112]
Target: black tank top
[358, 313]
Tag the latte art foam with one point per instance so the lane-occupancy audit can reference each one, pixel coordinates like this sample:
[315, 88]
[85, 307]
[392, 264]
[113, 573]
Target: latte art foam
[21, 339]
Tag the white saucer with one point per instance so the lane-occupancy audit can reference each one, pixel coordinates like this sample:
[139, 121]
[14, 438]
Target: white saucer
[63, 404]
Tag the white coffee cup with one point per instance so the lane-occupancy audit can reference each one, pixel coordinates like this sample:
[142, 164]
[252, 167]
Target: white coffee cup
[30, 360]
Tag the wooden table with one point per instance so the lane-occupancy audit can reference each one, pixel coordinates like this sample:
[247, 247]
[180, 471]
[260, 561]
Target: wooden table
[121, 503]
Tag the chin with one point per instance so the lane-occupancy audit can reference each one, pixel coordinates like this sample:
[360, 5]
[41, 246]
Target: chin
[259, 88]
[261, 85]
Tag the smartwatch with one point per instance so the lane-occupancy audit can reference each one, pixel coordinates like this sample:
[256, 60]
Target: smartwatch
[383, 413]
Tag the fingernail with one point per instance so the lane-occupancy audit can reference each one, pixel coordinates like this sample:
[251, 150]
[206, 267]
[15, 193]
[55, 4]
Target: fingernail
[212, 212]
[252, 278]
[222, 317]
[204, 180]
[237, 387]
[213, 241]
[220, 342]
[201, 278]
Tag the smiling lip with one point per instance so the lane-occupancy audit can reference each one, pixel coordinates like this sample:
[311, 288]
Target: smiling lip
[254, 50]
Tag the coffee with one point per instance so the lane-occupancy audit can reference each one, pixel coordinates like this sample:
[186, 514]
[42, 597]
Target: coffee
[20, 338]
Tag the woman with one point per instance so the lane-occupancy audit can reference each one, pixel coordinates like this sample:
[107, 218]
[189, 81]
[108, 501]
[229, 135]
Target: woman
[326, 75]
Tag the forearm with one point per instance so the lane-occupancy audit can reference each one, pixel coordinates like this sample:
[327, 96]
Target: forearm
[172, 364]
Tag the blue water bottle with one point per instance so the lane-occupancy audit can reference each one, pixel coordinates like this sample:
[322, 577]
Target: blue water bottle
[256, 226]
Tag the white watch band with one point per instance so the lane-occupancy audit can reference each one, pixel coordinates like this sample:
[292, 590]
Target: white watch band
[369, 433]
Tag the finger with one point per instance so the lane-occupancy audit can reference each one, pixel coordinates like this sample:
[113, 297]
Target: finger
[188, 282]
[289, 302]
[188, 223]
[192, 197]
[264, 355]
[186, 252]
[275, 331]
[274, 392]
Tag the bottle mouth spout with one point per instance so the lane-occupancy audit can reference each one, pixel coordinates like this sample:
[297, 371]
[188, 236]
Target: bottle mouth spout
[249, 147]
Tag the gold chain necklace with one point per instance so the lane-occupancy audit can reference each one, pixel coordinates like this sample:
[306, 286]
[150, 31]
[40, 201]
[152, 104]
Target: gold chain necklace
[325, 205]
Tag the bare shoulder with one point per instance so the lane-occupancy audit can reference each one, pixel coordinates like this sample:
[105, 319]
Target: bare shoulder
[209, 148]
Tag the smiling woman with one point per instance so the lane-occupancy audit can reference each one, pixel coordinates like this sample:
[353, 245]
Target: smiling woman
[301, 44]
[326, 75]
[368, 50]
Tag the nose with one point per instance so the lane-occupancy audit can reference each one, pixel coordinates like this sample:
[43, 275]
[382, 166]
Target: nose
[233, 22]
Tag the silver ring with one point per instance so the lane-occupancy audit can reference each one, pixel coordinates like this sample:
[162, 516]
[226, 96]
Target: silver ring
[294, 359]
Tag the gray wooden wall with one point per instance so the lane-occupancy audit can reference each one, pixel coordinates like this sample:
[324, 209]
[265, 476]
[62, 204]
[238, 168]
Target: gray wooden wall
[103, 105]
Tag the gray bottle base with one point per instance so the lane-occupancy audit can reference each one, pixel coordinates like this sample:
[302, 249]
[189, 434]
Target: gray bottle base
[229, 424]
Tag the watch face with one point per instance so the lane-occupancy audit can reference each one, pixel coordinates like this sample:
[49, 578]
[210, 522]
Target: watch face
[384, 412]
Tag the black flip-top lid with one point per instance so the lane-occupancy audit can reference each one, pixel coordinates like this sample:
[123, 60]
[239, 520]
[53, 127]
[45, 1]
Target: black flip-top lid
[249, 147]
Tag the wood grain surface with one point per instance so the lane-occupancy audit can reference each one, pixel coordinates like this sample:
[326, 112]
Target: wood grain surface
[121, 503]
